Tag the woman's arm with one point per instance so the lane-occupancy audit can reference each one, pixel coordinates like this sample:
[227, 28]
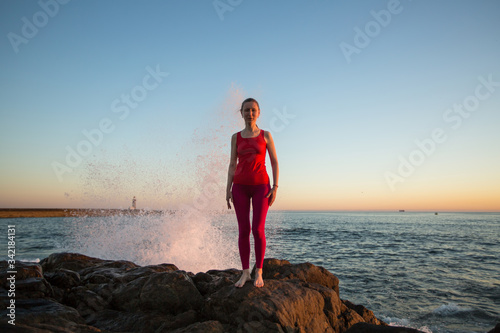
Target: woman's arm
[231, 170]
[274, 164]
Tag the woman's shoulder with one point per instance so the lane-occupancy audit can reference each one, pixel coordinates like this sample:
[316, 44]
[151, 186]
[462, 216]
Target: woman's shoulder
[268, 137]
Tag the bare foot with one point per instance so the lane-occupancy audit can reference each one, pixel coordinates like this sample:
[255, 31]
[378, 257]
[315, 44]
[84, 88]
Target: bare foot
[243, 279]
[259, 281]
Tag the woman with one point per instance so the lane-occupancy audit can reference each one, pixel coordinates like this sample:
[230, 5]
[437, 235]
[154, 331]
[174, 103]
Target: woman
[248, 179]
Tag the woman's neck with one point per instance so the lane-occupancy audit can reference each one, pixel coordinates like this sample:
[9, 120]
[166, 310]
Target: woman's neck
[251, 127]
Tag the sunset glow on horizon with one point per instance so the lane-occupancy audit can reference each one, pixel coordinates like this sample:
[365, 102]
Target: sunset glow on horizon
[376, 106]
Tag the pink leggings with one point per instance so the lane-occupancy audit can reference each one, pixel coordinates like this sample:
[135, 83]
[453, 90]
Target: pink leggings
[260, 204]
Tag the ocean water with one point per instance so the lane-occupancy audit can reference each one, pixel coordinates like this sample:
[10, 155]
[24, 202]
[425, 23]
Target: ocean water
[436, 273]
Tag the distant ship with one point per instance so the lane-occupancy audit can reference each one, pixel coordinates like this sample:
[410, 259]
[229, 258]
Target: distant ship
[401, 210]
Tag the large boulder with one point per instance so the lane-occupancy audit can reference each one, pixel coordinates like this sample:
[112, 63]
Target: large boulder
[292, 306]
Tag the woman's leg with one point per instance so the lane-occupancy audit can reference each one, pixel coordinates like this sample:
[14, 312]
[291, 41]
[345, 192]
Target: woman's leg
[260, 206]
[241, 203]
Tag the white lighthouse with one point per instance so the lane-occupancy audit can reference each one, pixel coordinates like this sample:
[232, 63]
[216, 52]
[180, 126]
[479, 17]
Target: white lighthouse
[134, 204]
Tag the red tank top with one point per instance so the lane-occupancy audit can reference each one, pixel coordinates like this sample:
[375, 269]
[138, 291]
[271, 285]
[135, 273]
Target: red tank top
[251, 167]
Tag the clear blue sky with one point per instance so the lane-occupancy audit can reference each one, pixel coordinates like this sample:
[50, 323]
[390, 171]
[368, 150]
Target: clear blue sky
[65, 68]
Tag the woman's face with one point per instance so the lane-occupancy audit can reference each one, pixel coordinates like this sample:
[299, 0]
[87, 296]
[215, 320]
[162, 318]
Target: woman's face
[250, 111]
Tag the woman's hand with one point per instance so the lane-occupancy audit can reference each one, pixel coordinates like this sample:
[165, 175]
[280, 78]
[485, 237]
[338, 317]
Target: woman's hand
[272, 195]
[229, 196]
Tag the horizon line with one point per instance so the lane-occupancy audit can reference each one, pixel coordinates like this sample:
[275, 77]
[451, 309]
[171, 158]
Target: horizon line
[277, 210]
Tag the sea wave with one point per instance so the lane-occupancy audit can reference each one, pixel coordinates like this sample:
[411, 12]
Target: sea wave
[398, 322]
[450, 309]
[35, 260]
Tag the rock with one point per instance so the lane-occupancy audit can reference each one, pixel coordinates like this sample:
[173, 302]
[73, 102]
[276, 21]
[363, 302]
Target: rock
[33, 288]
[166, 292]
[107, 272]
[122, 321]
[24, 270]
[290, 305]
[147, 270]
[211, 326]
[71, 261]
[283, 270]
[366, 314]
[47, 314]
[213, 280]
[171, 292]
[71, 292]
[20, 328]
[347, 319]
[63, 278]
[28, 281]
[333, 306]
[47, 328]
[496, 329]
[180, 321]
[85, 301]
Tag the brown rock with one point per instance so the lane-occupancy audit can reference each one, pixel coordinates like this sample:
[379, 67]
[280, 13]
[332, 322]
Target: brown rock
[292, 307]
[167, 292]
[366, 314]
[283, 270]
[333, 305]
[347, 318]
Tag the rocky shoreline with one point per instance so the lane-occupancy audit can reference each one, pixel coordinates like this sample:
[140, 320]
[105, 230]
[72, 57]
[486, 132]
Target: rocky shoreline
[70, 292]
